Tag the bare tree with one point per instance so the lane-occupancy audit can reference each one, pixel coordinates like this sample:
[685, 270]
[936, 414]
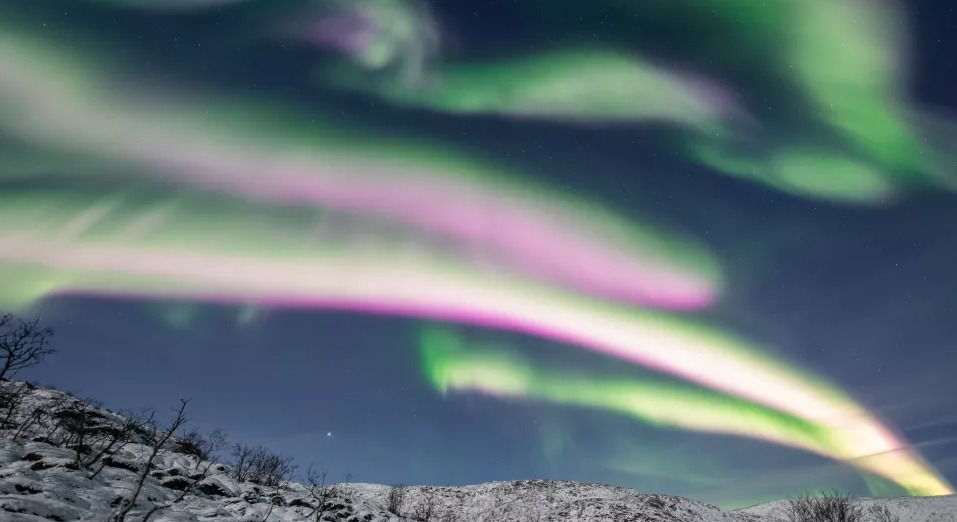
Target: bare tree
[15, 413]
[345, 488]
[828, 506]
[268, 512]
[425, 509]
[48, 422]
[243, 456]
[76, 422]
[23, 344]
[188, 490]
[878, 513]
[319, 493]
[396, 499]
[450, 514]
[113, 437]
[276, 472]
[159, 440]
[258, 465]
[11, 400]
[35, 417]
[272, 470]
[204, 446]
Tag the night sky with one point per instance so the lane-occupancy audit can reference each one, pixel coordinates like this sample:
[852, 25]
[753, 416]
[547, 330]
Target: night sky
[694, 249]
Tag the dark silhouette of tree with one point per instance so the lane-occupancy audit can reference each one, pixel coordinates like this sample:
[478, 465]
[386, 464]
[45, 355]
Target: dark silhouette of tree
[396, 499]
[320, 494]
[258, 465]
[23, 344]
[882, 514]
[828, 506]
[204, 446]
[426, 508]
[160, 440]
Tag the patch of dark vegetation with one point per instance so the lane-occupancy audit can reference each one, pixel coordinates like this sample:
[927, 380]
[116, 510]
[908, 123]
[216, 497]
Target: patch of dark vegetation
[212, 489]
[122, 464]
[177, 483]
[27, 490]
[11, 509]
[41, 465]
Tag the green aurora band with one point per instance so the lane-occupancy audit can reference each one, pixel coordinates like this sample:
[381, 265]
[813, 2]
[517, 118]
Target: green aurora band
[263, 153]
[243, 237]
[576, 85]
[451, 365]
[845, 57]
[194, 247]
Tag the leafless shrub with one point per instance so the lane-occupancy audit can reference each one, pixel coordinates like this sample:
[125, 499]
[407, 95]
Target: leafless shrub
[450, 514]
[425, 509]
[396, 499]
[258, 465]
[160, 439]
[829, 506]
[15, 414]
[55, 424]
[242, 463]
[345, 488]
[11, 401]
[878, 513]
[204, 446]
[75, 420]
[113, 437]
[320, 494]
[91, 434]
[23, 344]
[35, 417]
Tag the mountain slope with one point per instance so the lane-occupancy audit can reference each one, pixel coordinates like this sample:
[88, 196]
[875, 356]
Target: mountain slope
[49, 472]
[909, 509]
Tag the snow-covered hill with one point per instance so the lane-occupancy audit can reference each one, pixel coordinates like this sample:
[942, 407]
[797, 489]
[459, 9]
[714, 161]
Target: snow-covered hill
[41, 480]
[909, 509]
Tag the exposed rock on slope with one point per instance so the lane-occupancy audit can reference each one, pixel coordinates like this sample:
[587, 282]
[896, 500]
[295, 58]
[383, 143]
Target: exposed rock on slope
[63, 459]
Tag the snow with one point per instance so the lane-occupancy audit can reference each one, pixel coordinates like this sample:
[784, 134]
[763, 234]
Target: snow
[909, 509]
[40, 482]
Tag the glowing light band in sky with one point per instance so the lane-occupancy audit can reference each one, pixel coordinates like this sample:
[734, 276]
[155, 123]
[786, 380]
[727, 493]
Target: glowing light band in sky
[60, 243]
[574, 85]
[451, 365]
[846, 58]
[250, 152]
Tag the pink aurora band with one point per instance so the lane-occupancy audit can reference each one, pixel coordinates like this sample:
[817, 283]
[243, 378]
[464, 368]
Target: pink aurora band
[544, 233]
[407, 280]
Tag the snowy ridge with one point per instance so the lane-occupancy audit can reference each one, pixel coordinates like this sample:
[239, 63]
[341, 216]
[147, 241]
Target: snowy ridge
[549, 500]
[41, 481]
[909, 509]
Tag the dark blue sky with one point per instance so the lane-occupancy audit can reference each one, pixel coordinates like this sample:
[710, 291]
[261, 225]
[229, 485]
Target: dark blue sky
[866, 296]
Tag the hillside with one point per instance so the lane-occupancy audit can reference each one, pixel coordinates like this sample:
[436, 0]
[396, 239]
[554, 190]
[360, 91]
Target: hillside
[64, 459]
[909, 509]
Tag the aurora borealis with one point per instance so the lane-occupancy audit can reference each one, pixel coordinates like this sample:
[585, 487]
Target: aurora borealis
[651, 205]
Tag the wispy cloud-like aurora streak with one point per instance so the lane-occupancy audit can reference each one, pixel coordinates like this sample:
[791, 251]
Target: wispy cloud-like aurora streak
[61, 243]
[857, 140]
[249, 152]
[576, 85]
